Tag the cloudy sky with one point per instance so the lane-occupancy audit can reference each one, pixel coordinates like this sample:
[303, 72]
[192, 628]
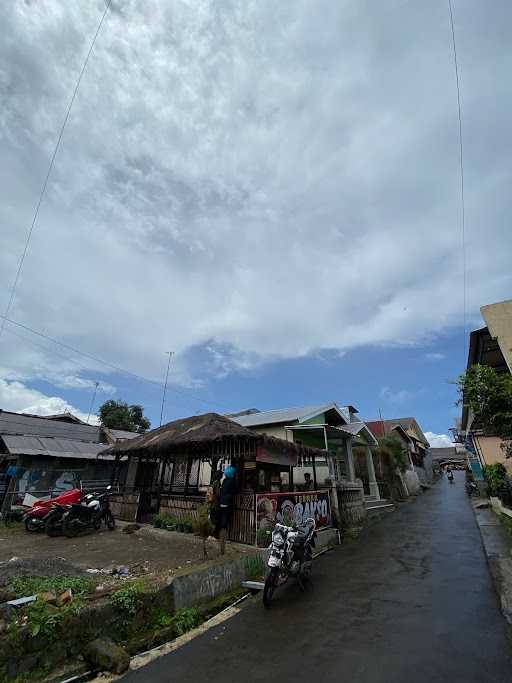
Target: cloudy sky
[271, 190]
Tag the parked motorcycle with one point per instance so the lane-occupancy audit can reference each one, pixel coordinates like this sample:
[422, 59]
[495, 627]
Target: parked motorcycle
[91, 513]
[35, 518]
[471, 488]
[291, 555]
[53, 520]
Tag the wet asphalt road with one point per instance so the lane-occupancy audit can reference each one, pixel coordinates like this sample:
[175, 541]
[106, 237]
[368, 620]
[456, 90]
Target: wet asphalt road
[410, 601]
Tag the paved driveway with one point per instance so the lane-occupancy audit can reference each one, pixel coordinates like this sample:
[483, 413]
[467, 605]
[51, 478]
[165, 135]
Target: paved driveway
[411, 601]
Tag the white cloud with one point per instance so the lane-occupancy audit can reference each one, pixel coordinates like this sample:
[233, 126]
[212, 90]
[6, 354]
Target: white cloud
[399, 396]
[17, 397]
[266, 180]
[435, 356]
[438, 440]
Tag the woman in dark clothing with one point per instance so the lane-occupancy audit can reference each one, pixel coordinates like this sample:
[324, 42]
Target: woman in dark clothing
[228, 491]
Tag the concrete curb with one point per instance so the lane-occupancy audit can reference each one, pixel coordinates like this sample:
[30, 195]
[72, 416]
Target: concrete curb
[497, 545]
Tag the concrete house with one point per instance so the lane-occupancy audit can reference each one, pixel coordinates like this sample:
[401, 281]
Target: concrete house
[414, 441]
[334, 429]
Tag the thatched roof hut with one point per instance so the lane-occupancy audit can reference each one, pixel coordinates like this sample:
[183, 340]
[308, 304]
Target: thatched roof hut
[205, 434]
[188, 433]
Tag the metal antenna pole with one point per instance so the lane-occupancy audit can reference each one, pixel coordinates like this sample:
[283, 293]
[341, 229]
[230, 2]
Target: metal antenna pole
[96, 385]
[383, 425]
[170, 353]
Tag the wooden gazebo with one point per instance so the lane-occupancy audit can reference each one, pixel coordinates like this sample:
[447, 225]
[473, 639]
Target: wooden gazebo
[167, 465]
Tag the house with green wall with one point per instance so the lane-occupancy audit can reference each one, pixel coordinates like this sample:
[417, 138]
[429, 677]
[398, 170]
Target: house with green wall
[332, 428]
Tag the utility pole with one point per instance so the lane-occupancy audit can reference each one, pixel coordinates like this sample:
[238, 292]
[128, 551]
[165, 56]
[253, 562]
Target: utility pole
[96, 385]
[170, 354]
[383, 425]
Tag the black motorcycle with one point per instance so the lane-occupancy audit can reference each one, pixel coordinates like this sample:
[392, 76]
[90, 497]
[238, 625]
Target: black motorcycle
[471, 488]
[53, 520]
[91, 513]
[291, 555]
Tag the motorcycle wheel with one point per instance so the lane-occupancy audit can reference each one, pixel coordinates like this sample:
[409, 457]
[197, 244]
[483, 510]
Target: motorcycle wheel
[69, 528]
[53, 525]
[270, 586]
[110, 522]
[32, 526]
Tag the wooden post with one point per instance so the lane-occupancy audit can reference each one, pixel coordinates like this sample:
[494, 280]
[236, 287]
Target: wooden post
[187, 474]
[115, 470]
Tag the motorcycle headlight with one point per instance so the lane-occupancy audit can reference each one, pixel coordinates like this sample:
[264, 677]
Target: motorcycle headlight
[277, 539]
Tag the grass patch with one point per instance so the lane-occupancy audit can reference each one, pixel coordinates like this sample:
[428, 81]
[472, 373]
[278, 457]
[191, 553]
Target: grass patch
[255, 566]
[24, 586]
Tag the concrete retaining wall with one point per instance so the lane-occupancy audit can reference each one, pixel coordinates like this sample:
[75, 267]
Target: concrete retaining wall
[206, 584]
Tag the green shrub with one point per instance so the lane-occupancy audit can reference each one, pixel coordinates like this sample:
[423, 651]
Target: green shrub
[254, 566]
[128, 599]
[185, 620]
[165, 521]
[496, 477]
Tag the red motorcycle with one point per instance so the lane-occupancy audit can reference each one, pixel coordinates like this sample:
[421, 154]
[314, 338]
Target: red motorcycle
[35, 518]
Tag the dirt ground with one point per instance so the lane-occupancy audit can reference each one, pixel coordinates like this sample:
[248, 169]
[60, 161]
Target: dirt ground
[146, 551]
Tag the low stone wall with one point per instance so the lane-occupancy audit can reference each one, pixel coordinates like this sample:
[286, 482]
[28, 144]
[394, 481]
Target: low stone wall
[206, 584]
[351, 505]
[24, 651]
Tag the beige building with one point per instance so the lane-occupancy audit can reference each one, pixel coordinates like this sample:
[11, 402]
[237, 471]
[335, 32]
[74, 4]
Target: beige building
[498, 318]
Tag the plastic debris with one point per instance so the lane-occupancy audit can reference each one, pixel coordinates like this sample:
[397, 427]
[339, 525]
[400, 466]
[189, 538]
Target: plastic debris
[19, 602]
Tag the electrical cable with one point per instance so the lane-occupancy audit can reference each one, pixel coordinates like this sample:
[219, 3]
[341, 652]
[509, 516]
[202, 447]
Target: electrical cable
[461, 155]
[48, 173]
[112, 366]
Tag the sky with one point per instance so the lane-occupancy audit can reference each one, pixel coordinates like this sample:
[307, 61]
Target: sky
[271, 191]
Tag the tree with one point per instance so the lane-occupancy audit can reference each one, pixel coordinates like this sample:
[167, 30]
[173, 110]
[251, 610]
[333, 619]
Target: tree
[392, 448]
[119, 415]
[489, 395]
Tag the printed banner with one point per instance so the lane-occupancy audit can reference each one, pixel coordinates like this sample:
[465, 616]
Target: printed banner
[288, 508]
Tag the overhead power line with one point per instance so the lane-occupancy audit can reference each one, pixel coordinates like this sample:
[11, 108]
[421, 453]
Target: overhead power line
[112, 366]
[49, 171]
[461, 157]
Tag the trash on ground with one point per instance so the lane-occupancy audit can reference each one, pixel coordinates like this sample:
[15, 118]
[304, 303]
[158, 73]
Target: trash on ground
[19, 602]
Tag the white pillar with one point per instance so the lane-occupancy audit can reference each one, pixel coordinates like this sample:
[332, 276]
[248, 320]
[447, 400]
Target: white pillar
[374, 487]
[351, 470]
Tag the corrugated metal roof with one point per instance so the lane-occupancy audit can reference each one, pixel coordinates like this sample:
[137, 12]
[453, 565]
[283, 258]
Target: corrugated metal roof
[356, 428]
[17, 423]
[53, 447]
[407, 423]
[276, 416]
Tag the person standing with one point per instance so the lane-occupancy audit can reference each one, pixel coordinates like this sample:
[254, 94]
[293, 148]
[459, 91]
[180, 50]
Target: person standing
[228, 491]
[308, 482]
